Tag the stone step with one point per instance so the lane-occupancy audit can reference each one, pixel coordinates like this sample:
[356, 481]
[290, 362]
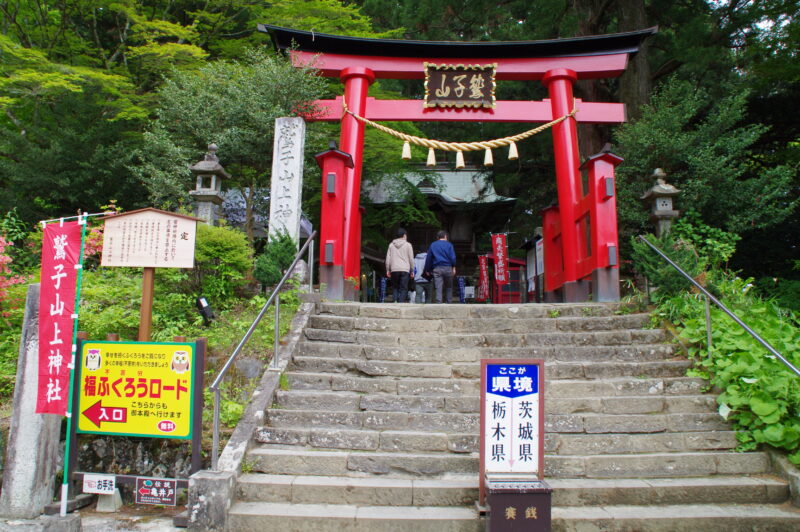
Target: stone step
[471, 370]
[249, 516]
[372, 491]
[478, 325]
[704, 517]
[554, 443]
[463, 490]
[462, 423]
[565, 388]
[345, 401]
[489, 339]
[295, 460]
[550, 354]
[443, 312]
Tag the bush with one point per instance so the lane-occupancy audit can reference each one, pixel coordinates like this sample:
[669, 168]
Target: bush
[760, 395]
[276, 259]
[223, 259]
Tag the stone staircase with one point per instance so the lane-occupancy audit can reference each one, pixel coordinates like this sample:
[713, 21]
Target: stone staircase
[377, 427]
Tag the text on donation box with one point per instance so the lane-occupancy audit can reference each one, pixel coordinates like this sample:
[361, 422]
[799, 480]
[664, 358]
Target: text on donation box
[136, 389]
[512, 422]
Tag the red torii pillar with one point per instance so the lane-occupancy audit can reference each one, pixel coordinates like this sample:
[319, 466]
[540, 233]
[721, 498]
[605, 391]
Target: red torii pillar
[356, 85]
[559, 83]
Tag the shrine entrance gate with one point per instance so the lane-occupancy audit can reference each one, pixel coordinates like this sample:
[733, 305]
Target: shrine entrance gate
[581, 249]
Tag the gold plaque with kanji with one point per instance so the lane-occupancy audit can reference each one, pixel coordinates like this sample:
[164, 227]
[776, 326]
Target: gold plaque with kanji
[460, 85]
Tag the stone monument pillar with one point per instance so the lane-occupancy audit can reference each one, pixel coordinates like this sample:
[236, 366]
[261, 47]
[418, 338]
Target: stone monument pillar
[33, 439]
[287, 177]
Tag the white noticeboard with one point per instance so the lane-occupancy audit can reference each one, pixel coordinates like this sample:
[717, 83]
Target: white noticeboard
[512, 418]
[540, 256]
[149, 238]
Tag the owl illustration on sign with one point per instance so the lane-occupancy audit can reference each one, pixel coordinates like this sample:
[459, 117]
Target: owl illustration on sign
[93, 359]
[180, 362]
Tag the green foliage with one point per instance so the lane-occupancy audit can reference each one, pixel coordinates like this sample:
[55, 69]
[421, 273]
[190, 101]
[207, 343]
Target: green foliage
[658, 272]
[223, 259]
[10, 330]
[760, 396]
[278, 255]
[706, 152]
[786, 292]
[231, 405]
[231, 103]
[713, 244]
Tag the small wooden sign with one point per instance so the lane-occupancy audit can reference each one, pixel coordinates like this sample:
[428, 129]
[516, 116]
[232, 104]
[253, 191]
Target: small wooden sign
[159, 491]
[460, 85]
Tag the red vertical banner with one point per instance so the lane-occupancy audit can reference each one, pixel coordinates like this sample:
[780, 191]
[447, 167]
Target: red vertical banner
[500, 249]
[483, 280]
[61, 248]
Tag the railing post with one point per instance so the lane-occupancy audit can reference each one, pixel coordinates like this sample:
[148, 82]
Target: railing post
[708, 323]
[215, 437]
[311, 268]
[275, 361]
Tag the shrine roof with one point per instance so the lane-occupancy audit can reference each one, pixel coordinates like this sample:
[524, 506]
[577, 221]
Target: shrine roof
[306, 41]
[451, 187]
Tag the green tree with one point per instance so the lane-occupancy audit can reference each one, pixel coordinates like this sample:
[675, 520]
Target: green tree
[278, 255]
[706, 152]
[233, 104]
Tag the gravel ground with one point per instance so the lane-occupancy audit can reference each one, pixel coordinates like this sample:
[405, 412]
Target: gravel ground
[127, 518]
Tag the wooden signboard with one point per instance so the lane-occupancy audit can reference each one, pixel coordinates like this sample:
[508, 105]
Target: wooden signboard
[149, 238]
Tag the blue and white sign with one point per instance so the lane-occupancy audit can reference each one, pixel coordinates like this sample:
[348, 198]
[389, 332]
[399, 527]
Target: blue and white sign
[512, 423]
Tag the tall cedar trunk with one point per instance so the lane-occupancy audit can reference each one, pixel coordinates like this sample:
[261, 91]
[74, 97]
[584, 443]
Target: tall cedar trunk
[635, 83]
[593, 20]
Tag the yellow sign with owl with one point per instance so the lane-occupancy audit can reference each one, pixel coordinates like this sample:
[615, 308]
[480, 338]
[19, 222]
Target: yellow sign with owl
[136, 389]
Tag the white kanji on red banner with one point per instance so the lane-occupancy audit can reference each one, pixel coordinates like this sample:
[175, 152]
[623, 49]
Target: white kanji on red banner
[483, 280]
[61, 248]
[500, 258]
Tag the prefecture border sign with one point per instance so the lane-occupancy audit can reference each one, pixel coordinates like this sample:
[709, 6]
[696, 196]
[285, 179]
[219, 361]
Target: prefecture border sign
[137, 389]
[512, 418]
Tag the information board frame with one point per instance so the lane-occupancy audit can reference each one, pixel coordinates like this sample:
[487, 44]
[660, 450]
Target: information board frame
[195, 387]
[484, 418]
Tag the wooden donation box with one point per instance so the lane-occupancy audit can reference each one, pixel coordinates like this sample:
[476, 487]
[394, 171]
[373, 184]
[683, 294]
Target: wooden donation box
[512, 446]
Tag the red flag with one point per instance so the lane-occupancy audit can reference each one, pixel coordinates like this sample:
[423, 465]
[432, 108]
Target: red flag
[61, 248]
[483, 280]
[500, 258]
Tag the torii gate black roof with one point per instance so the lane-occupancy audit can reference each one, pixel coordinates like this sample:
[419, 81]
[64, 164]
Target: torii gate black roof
[306, 41]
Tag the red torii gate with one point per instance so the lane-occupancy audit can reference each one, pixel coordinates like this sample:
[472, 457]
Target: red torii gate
[574, 259]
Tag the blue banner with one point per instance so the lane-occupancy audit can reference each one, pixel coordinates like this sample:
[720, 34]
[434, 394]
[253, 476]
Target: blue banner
[512, 380]
[382, 290]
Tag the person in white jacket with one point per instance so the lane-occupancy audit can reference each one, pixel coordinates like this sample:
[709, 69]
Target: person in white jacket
[399, 265]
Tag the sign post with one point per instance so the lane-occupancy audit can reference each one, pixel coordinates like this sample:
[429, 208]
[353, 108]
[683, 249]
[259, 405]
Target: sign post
[512, 445]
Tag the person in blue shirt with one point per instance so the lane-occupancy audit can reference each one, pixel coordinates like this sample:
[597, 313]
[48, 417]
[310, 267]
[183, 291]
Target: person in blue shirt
[441, 262]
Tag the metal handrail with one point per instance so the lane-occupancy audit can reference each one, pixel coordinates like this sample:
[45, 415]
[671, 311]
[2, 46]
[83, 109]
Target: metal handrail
[275, 296]
[722, 307]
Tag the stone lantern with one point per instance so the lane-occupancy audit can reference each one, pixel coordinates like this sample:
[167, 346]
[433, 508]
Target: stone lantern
[660, 198]
[207, 193]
